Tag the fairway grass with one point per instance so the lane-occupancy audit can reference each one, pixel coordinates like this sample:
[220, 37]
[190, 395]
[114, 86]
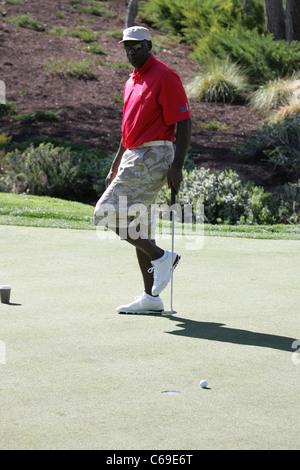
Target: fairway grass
[42, 211]
[77, 375]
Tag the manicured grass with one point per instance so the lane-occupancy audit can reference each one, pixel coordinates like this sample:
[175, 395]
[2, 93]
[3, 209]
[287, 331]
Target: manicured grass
[79, 376]
[40, 211]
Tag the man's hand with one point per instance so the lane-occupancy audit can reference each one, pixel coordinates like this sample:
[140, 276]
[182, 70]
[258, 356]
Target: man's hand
[110, 177]
[115, 165]
[183, 136]
[174, 178]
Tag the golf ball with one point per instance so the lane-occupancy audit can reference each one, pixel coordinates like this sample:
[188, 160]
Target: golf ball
[203, 383]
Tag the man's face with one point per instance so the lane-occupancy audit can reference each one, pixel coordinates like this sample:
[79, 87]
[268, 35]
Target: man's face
[137, 52]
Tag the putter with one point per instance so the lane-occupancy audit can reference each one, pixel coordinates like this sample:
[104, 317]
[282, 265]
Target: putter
[173, 199]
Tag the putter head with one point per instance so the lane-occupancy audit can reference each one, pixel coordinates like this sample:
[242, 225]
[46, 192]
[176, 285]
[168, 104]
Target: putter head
[168, 312]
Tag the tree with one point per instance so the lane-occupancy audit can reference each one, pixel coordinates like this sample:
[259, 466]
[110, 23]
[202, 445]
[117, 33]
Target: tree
[274, 14]
[283, 25]
[292, 20]
[131, 13]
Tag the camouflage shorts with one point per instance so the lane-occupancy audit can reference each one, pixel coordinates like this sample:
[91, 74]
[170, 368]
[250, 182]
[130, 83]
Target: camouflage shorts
[141, 175]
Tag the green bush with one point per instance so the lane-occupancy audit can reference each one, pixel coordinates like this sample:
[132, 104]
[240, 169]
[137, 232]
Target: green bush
[82, 32]
[262, 58]
[38, 115]
[81, 69]
[221, 82]
[7, 108]
[277, 143]
[289, 204]
[194, 19]
[227, 200]
[226, 29]
[275, 94]
[62, 172]
[5, 140]
[95, 8]
[25, 21]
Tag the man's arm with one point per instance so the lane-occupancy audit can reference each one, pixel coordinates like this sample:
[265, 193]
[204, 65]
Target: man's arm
[183, 137]
[115, 165]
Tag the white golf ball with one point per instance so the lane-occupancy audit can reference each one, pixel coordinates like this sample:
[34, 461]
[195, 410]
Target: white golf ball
[203, 383]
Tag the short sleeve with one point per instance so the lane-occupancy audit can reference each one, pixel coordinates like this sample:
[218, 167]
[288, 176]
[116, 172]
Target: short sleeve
[173, 99]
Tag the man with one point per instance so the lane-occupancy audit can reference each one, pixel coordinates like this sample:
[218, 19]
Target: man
[155, 109]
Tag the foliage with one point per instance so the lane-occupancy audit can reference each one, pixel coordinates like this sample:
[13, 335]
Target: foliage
[5, 140]
[194, 19]
[56, 171]
[25, 21]
[274, 94]
[278, 143]
[7, 108]
[287, 111]
[38, 115]
[221, 82]
[82, 69]
[261, 57]
[95, 8]
[289, 208]
[227, 200]
[226, 29]
[93, 48]
[214, 125]
[81, 32]
[71, 172]
[42, 211]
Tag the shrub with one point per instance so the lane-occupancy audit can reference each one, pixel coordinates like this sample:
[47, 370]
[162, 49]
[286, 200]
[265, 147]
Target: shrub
[275, 94]
[222, 82]
[81, 32]
[95, 8]
[278, 143]
[49, 170]
[5, 140]
[289, 204]
[288, 111]
[26, 21]
[82, 69]
[263, 58]
[38, 115]
[7, 108]
[194, 19]
[225, 199]
[93, 48]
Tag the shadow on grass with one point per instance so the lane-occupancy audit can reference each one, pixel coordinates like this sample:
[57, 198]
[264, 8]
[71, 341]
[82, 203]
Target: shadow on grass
[219, 332]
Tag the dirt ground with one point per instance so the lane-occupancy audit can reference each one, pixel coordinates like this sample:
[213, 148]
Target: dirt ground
[91, 112]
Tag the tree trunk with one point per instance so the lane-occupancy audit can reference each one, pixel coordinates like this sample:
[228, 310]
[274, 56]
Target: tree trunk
[292, 20]
[131, 13]
[274, 14]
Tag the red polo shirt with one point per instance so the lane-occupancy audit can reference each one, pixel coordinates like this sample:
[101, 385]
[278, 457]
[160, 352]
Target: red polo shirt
[154, 101]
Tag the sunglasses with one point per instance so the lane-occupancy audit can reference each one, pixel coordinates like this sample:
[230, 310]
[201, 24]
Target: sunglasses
[135, 47]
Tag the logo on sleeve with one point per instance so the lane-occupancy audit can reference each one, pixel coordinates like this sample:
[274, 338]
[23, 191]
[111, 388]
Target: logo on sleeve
[185, 108]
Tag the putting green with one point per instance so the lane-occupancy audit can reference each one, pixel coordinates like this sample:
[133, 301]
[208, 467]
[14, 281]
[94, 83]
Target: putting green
[79, 376]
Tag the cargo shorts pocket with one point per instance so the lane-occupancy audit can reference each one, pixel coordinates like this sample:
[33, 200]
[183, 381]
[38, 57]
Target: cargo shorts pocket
[157, 161]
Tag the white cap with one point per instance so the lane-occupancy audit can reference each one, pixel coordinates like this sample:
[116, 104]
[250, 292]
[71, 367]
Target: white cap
[136, 33]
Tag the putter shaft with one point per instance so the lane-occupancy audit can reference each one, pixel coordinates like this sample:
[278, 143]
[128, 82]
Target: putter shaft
[173, 199]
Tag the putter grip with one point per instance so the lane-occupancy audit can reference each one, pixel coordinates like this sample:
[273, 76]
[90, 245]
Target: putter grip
[173, 196]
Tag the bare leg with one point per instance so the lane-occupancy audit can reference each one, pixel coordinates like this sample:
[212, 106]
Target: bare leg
[146, 250]
[147, 246]
[145, 264]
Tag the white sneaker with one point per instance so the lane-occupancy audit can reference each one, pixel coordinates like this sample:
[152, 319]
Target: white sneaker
[143, 304]
[162, 271]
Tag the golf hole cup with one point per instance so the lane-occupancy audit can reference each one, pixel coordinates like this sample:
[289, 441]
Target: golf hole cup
[5, 294]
